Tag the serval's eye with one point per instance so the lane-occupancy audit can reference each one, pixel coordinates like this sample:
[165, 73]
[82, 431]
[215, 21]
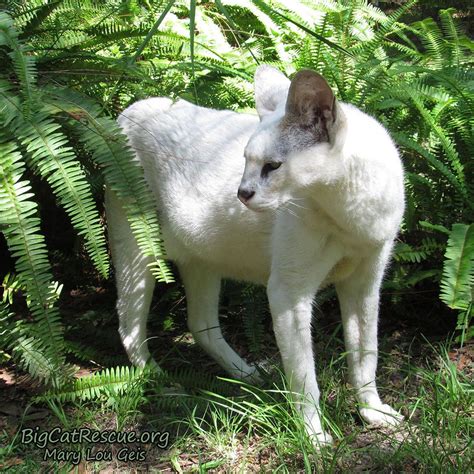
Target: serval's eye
[269, 167]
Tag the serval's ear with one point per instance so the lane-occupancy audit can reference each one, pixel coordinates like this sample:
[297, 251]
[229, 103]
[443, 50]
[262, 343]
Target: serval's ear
[311, 104]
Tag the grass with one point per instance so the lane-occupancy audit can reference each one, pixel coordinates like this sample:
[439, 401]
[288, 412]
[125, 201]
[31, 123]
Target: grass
[227, 426]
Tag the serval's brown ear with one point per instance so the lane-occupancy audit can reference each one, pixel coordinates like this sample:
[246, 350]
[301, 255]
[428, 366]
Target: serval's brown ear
[311, 104]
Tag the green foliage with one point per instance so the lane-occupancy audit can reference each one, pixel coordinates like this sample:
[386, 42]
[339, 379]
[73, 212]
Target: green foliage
[458, 276]
[124, 388]
[20, 227]
[41, 120]
[458, 271]
[103, 384]
[409, 253]
[10, 286]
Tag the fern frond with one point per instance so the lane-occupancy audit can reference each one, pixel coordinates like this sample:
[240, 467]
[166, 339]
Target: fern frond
[409, 143]
[404, 252]
[415, 254]
[190, 379]
[37, 17]
[57, 163]
[432, 39]
[9, 104]
[114, 380]
[23, 63]
[457, 283]
[6, 326]
[99, 36]
[448, 146]
[11, 284]
[20, 227]
[452, 33]
[31, 354]
[27, 351]
[388, 26]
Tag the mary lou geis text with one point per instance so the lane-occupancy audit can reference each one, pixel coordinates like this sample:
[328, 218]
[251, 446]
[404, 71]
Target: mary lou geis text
[57, 436]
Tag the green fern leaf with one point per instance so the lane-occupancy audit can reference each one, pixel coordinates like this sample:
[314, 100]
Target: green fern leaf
[37, 17]
[409, 143]
[54, 160]
[57, 163]
[23, 63]
[20, 226]
[114, 380]
[457, 282]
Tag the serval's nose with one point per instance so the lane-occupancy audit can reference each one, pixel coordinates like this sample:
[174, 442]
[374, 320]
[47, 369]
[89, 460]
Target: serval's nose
[245, 195]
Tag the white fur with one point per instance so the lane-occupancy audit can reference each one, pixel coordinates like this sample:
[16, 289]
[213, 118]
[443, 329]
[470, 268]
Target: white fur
[330, 213]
